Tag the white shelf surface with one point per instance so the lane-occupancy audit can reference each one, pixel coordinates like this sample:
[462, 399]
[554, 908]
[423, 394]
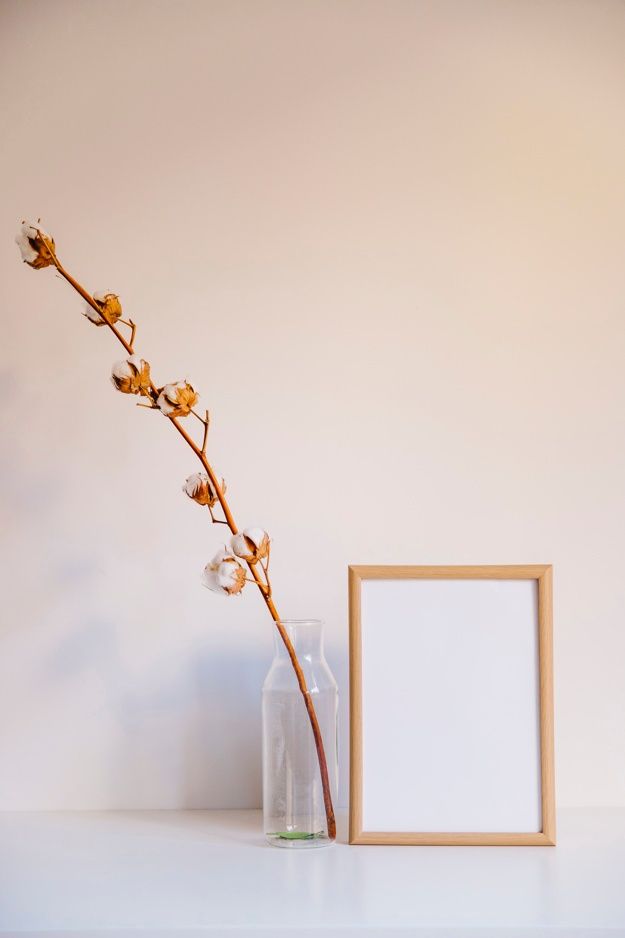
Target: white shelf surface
[171, 874]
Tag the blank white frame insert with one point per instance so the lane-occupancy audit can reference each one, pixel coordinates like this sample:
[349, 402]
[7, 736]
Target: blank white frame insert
[451, 705]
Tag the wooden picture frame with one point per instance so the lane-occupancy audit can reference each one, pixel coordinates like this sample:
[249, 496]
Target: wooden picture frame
[537, 690]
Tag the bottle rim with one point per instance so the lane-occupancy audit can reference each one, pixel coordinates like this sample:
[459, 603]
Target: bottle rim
[291, 622]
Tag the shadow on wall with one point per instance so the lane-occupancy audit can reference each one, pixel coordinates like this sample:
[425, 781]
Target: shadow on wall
[185, 735]
[224, 739]
[164, 727]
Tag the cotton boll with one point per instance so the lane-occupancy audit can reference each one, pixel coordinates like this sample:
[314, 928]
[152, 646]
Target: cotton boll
[177, 399]
[198, 487]
[110, 309]
[36, 245]
[132, 376]
[224, 574]
[251, 545]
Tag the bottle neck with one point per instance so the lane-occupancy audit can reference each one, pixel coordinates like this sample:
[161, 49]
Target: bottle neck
[306, 636]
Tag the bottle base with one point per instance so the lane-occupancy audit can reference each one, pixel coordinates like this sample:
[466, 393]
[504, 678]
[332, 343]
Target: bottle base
[299, 840]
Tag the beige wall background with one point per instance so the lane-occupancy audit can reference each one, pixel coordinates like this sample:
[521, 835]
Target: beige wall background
[385, 241]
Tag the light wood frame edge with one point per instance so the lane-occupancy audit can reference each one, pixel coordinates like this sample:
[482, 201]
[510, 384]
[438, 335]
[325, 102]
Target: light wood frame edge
[543, 574]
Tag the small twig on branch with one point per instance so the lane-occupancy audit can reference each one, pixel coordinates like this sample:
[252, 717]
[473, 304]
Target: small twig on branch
[213, 518]
[206, 425]
[262, 587]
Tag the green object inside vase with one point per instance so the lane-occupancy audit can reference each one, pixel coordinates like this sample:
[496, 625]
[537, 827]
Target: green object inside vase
[296, 835]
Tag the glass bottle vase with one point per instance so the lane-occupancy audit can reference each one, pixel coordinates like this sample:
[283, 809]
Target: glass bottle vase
[293, 803]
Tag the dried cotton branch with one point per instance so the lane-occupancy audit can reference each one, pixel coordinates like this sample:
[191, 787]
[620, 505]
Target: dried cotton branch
[226, 572]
